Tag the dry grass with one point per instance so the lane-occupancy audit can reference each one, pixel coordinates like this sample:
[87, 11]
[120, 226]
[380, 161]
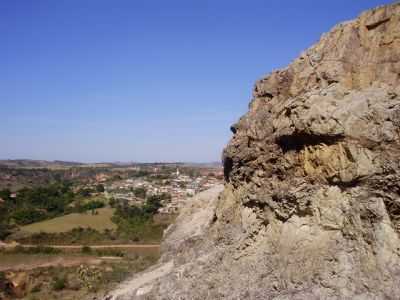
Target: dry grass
[100, 222]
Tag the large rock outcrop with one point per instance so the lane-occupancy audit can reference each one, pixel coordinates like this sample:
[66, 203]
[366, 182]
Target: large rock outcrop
[311, 204]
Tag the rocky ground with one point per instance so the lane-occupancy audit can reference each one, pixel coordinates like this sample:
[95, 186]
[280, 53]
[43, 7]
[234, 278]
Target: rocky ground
[311, 204]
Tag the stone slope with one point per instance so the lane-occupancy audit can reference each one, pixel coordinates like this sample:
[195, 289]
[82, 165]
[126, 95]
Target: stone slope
[311, 205]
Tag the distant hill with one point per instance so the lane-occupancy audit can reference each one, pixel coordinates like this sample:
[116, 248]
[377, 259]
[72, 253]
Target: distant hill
[30, 163]
[59, 164]
[204, 165]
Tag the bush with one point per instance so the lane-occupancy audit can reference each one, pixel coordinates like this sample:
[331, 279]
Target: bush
[78, 235]
[86, 250]
[90, 277]
[28, 215]
[36, 250]
[59, 283]
[118, 274]
[93, 205]
[45, 250]
[110, 252]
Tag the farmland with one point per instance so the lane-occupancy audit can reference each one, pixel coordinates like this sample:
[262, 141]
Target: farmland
[99, 221]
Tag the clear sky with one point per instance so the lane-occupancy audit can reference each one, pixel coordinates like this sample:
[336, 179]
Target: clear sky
[143, 80]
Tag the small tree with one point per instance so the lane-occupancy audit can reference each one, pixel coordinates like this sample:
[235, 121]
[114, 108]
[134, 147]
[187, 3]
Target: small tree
[59, 283]
[86, 250]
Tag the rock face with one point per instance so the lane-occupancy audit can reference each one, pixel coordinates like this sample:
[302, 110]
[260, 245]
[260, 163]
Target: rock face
[311, 204]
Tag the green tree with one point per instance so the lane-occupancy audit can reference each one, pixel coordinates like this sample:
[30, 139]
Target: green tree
[152, 205]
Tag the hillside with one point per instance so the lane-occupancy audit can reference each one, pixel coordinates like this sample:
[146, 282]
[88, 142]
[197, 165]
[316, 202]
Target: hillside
[30, 163]
[310, 207]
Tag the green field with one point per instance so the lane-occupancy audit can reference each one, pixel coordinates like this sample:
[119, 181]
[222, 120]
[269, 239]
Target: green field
[100, 222]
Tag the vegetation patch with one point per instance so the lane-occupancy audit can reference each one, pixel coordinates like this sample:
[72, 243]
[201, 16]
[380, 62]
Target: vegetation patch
[136, 223]
[36, 204]
[77, 235]
[59, 283]
[34, 250]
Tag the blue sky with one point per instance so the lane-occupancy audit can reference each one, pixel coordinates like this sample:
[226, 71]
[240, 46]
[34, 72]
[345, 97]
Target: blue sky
[143, 80]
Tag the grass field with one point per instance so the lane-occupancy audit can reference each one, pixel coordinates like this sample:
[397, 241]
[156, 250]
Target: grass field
[100, 222]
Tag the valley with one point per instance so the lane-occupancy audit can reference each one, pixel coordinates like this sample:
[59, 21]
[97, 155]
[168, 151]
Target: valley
[108, 219]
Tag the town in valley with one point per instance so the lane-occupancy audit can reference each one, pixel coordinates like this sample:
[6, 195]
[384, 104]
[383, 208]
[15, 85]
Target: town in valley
[77, 230]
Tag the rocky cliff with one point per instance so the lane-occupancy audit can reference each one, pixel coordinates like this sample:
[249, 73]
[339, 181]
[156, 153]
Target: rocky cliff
[311, 204]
